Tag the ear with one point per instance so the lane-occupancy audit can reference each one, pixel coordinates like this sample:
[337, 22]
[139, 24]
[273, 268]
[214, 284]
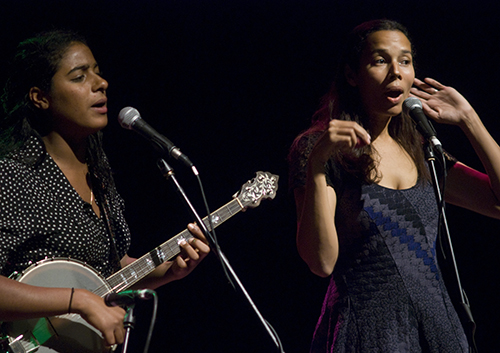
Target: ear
[39, 98]
[350, 76]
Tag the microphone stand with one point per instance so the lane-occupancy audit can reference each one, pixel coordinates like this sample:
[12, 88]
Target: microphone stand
[129, 324]
[464, 313]
[168, 173]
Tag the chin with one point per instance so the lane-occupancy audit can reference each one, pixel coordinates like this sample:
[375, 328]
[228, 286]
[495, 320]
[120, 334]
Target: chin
[396, 110]
[95, 129]
[100, 124]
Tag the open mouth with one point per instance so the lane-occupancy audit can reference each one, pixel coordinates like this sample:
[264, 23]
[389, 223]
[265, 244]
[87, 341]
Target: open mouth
[394, 92]
[99, 104]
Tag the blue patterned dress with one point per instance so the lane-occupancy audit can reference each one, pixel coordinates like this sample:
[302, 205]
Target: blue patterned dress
[386, 293]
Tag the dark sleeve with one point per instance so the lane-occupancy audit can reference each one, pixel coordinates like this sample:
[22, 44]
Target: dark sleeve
[16, 213]
[297, 159]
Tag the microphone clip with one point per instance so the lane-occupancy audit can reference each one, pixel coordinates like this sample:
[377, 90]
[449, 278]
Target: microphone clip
[128, 297]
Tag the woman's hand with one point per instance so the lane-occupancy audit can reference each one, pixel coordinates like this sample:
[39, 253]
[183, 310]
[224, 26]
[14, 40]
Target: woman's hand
[191, 254]
[341, 135]
[108, 320]
[442, 103]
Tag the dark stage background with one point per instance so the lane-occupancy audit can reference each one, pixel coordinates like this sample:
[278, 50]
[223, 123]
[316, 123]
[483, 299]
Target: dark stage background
[231, 83]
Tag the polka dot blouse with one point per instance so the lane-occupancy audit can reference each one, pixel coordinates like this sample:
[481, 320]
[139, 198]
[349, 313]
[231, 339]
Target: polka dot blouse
[42, 216]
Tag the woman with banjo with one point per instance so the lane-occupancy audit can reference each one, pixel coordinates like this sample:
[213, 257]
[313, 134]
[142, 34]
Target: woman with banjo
[57, 195]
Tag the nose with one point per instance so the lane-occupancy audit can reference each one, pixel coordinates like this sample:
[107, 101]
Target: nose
[394, 70]
[100, 84]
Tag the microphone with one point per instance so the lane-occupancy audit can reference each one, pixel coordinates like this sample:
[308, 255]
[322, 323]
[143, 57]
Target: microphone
[413, 107]
[128, 297]
[130, 119]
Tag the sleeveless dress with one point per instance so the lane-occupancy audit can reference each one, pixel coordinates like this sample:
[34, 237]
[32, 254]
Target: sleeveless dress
[386, 293]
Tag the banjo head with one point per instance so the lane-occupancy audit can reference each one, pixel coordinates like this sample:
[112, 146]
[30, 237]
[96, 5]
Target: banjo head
[62, 333]
[63, 272]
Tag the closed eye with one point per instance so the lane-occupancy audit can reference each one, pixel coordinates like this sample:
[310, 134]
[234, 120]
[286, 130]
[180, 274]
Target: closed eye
[78, 78]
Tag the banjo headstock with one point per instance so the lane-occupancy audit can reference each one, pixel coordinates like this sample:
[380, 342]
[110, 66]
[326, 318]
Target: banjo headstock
[262, 186]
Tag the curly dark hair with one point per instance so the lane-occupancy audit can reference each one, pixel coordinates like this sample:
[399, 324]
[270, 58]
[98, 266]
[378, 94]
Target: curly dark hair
[343, 102]
[34, 64]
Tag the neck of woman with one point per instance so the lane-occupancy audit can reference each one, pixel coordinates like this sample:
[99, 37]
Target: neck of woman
[379, 128]
[68, 154]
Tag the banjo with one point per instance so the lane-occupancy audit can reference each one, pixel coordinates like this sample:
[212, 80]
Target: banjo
[70, 332]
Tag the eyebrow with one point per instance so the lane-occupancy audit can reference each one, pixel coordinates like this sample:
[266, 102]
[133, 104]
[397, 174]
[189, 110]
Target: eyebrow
[404, 51]
[82, 67]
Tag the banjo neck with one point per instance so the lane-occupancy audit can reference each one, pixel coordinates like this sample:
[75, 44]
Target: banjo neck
[140, 268]
[263, 186]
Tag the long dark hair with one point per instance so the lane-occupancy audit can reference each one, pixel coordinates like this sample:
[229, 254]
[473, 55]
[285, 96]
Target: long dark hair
[343, 102]
[34, 64]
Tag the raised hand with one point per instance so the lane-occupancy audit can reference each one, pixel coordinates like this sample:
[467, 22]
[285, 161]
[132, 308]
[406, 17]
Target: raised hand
[341, 135]
[442, 103]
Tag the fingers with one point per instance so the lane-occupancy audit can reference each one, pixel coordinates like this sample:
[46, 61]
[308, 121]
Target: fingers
[434, 83]
[119, 334]
[422, 90]
[188, 251]
[181, 263]
[108, 320]
[341, 136]
[112, 329]
[348, 134]
[196, 231]
[113, 337]
[199, 243]
[427, 88]
[193, 250]
[200, 246]
[112, 326]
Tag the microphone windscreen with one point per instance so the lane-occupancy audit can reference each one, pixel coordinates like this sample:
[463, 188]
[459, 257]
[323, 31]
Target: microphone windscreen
[411, 103]
[127, 117]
